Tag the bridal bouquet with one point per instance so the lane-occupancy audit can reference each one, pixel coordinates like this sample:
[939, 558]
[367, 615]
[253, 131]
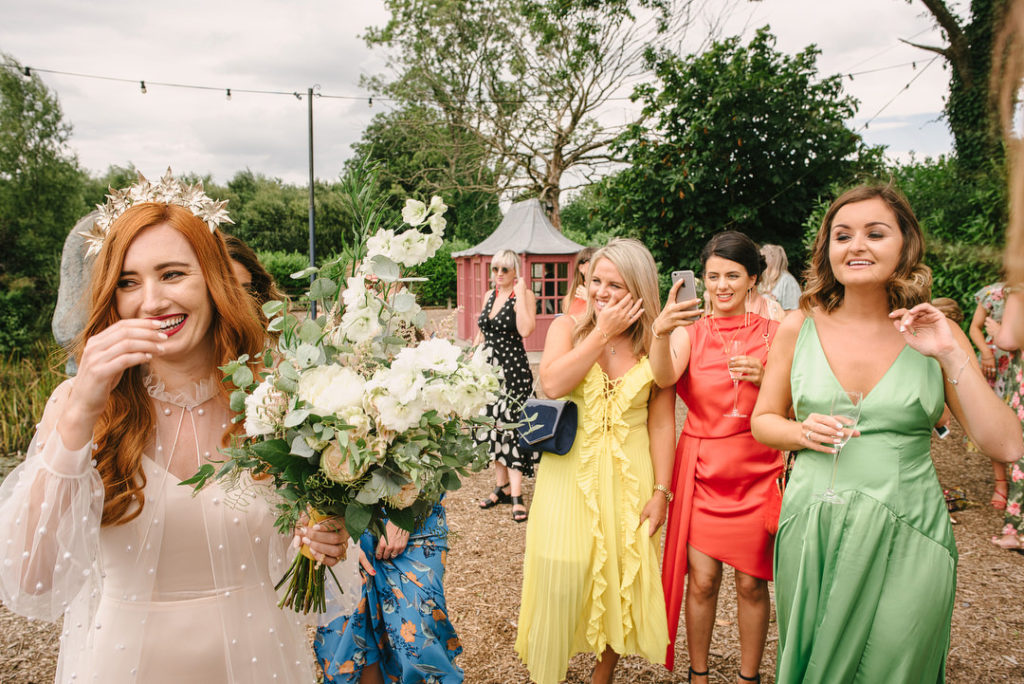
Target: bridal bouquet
[359, 414]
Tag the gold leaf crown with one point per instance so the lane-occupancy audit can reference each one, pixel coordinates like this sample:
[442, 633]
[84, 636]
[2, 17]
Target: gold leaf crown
[168, 191]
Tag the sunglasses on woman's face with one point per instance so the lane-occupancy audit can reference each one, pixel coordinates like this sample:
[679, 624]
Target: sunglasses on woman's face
[499, 269]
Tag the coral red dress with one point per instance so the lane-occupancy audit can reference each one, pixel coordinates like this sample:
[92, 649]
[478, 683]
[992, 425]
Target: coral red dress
[723, 480]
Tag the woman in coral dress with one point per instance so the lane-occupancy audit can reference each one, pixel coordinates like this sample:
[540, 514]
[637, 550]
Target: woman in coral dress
[590, 576]
[724, 481]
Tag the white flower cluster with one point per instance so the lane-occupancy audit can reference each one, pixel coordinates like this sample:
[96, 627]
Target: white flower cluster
[411, 247]
[430, 377]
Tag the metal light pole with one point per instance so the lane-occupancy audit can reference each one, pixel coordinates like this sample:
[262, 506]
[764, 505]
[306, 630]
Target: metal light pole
[312, 217]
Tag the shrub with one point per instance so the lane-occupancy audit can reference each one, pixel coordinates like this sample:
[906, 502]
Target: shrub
[441, 275]
[28, 378]
[281, 265]
[23, 317]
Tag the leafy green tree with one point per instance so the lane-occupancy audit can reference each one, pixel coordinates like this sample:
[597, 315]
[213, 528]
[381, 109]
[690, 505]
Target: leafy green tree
[41, 198]
[744, 138]
[971, 108]
[525, 80]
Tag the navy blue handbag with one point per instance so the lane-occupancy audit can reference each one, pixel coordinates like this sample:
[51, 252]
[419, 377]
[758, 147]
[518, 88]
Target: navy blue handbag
[548, 425]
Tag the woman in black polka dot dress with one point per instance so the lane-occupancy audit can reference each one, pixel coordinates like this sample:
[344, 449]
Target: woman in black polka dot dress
[509, 315]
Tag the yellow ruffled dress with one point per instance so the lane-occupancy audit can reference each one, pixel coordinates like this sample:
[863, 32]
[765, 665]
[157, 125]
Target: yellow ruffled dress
[591, 577]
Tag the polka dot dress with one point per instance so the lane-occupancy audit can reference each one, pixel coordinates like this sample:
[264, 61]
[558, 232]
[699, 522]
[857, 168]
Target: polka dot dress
[506, 344]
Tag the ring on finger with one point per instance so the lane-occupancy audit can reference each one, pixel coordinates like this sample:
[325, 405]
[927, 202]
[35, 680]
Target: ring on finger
[808, 435]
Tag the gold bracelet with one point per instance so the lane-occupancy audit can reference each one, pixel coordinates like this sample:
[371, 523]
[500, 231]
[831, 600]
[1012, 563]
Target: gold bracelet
[598, 329]
[664, 490]
[956, 381]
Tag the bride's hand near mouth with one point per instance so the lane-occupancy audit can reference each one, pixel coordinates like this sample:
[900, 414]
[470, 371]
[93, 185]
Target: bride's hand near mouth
[105, 357]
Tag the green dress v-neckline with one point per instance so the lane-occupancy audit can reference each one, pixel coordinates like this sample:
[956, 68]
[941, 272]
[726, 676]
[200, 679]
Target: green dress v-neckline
[832, 373]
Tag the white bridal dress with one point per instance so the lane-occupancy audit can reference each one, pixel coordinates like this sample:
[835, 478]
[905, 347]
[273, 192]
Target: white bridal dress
[182, 593]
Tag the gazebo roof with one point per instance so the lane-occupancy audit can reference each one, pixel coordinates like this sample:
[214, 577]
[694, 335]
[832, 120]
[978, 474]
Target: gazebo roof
[525, 230]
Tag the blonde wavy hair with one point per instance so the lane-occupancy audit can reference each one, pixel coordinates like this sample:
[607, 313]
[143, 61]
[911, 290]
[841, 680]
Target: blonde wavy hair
[640, 276]
[911, 282]
[775, 264]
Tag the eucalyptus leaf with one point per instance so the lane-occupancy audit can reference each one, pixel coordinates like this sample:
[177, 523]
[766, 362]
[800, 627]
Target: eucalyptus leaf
[404, 301]
[238, 400]
[301, 448]
[287, 370]
[323, 288]
[305, 273]
[384, 268]
[310, 355]
[296, 417]
[242, 377]
[272, 308]
[310, 332]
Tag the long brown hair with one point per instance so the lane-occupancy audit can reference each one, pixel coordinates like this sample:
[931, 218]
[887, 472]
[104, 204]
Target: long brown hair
[263, 289]
[911, 282]
[123, 430]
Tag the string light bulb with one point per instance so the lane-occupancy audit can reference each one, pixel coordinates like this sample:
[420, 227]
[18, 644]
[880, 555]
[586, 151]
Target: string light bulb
[28, 72]
[229, 94]
[142, 87]
[370, 102]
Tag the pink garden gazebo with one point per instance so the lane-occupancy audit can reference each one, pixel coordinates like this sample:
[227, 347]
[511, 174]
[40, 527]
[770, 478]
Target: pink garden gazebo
[545, 257]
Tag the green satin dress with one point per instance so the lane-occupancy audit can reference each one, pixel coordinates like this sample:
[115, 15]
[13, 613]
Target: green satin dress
[864, 589]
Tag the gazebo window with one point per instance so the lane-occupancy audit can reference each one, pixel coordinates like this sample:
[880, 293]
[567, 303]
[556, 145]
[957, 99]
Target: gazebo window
[550, 281]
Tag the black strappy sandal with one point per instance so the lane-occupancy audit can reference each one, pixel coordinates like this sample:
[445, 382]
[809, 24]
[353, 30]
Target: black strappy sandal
[693, 673]
[519, 516]
[500, 497]
[755, 678]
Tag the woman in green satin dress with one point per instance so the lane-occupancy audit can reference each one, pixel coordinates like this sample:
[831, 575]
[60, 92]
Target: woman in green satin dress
[864, 588]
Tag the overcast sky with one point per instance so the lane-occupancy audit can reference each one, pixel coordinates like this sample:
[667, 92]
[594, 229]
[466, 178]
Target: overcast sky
[290, 46]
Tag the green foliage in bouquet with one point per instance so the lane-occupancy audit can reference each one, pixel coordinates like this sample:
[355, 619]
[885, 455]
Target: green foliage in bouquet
[358, 414]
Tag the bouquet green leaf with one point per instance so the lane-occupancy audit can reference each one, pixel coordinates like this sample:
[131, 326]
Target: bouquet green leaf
[359, 415]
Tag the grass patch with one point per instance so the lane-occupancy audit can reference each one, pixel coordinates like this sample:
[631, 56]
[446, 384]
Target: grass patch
[27, 379]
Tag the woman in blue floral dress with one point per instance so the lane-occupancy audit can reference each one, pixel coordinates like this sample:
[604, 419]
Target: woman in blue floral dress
[399, 631]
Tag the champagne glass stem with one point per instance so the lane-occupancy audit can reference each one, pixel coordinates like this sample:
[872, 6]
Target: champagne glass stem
[835, 466]
[735, 396]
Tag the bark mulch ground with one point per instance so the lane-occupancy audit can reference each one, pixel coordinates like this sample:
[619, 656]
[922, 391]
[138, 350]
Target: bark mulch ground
[485, 572]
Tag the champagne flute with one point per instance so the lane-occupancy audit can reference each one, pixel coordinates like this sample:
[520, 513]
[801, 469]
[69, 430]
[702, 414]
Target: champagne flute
[734, 349]
[846, 410]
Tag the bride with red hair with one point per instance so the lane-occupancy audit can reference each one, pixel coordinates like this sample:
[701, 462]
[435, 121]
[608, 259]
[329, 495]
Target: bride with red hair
[155, 584]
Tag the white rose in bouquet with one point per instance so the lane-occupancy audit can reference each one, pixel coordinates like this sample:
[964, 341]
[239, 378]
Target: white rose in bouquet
[264, 410]
[331, 388]
[357, 418]
[337, 465]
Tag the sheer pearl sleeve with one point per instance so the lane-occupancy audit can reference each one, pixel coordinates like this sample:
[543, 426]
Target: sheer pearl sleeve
[50, 511]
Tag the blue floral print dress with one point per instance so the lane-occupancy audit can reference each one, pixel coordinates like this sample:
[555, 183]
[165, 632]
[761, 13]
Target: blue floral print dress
[401, 620]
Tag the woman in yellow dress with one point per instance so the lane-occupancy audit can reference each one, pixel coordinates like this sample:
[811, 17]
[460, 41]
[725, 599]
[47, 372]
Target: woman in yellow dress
[591, 581]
